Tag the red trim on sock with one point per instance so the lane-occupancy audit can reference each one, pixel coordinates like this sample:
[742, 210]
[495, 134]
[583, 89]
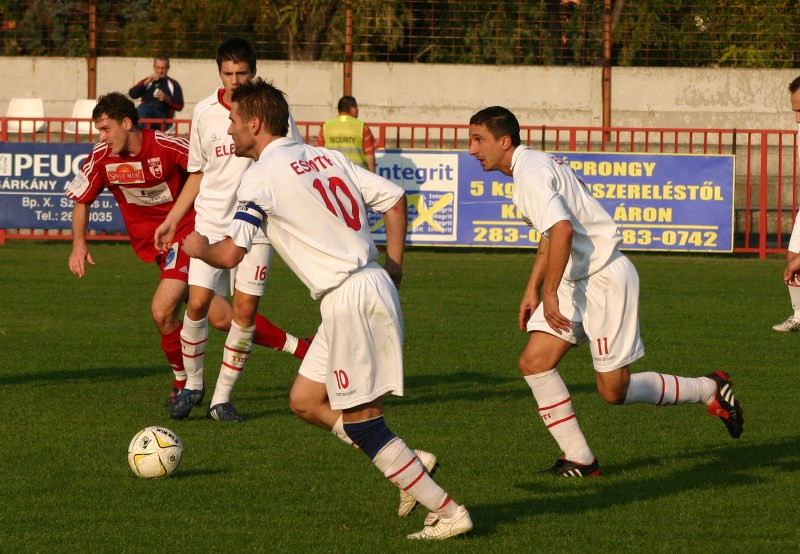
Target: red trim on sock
[234, 368]
[569, 398]
[677, 389]
[196, 355]
[237, 351]
[560, 421]
[184, 341]
[402, 469]
[663, 390]
[178, 383]
[446, 501]
[414, 482]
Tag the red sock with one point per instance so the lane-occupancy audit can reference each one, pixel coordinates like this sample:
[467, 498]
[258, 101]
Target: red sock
[171, 345]
[302, 348]
[267, 334]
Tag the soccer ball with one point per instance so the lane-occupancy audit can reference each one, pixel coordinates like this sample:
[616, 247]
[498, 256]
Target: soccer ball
[154, 452]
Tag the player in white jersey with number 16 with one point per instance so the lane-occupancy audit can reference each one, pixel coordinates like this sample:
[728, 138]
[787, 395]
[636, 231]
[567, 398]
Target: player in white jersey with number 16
[215, 175]
[312, 203]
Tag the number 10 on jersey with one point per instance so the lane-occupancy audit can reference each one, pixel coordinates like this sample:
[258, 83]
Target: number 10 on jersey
[350, 215]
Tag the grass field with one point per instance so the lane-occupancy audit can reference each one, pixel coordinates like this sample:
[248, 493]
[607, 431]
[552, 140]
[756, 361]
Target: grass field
[81, 372]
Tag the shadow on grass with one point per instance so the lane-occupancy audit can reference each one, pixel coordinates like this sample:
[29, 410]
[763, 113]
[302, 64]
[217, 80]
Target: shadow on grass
[471, 386]
[192, 473]
[729, 467]
[89, 374]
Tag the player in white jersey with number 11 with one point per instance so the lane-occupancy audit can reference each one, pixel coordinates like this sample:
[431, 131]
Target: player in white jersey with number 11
[312, 203]
[581, 289]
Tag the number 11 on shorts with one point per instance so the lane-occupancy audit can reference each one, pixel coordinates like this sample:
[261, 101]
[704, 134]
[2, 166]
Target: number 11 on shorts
[602, 346]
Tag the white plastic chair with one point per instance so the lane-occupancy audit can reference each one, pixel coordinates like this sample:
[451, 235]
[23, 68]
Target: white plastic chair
[26, 108]
[81, 110]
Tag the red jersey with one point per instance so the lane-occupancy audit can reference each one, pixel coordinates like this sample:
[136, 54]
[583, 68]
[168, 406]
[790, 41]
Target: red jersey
[145, 186]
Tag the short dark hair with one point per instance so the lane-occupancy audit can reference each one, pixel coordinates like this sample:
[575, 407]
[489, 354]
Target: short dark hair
[259, 98]
[346, 103]
[237, 50]
[162, 57]
[116, 106]
[794, 85]
[499, 121]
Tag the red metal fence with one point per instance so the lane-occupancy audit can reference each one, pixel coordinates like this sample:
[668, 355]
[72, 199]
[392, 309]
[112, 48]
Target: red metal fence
[766, 174]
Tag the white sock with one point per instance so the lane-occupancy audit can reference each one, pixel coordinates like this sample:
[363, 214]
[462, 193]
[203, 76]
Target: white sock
[194, 336]
[290, 345]
[234, 357]
[402, 467]
[338, 430]
[794, 294]
[555, 409]
[669, 390]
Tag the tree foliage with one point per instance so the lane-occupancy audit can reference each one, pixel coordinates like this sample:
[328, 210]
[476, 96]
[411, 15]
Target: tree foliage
[697, 33]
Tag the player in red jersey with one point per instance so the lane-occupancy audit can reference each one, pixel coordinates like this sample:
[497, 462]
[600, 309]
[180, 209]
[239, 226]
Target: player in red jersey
[145, 170]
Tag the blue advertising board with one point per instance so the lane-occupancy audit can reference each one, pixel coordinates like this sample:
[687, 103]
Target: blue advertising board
[660, 201]
[33, 178]
[671, 202]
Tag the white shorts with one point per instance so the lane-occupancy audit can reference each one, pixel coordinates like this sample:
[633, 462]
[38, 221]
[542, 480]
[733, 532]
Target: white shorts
[250, 276]
[604, 311]
[358, 349]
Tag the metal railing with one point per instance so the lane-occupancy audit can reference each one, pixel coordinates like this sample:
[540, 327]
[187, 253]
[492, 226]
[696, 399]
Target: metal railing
[766, 168]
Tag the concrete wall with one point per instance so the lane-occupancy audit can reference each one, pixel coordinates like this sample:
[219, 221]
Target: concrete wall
[425, 93]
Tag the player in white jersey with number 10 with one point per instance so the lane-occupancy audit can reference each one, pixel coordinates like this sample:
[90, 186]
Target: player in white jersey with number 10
[312, 203]
[215, 176]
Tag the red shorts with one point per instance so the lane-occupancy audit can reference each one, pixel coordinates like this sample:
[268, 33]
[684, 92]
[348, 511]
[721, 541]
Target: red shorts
[174, 264]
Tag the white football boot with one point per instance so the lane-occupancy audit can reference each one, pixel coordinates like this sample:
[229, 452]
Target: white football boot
[407, 502]
[439, 527]
[791, 325]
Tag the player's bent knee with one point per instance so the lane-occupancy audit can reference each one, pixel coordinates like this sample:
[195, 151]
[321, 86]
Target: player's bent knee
[197, 307]
[219, 323]
[298, 407]
[165, 321]
[302, 407]
[220, 313]
[530, 365]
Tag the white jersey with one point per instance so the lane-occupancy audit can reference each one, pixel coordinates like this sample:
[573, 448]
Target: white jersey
[211, 150]
[311, 202]
[547, 191]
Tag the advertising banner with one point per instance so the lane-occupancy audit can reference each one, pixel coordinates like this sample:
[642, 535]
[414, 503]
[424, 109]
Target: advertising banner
[660, 201]
[33, 178]
[672, 202]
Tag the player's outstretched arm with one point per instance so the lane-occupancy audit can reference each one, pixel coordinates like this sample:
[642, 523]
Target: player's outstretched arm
[164, 234]
[396, 221]
[80, 251]
[224, 254]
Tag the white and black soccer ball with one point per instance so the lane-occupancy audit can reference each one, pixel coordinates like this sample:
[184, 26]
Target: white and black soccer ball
[154, 452]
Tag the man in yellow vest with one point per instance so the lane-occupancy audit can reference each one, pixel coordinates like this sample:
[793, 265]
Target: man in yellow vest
[349, 135]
